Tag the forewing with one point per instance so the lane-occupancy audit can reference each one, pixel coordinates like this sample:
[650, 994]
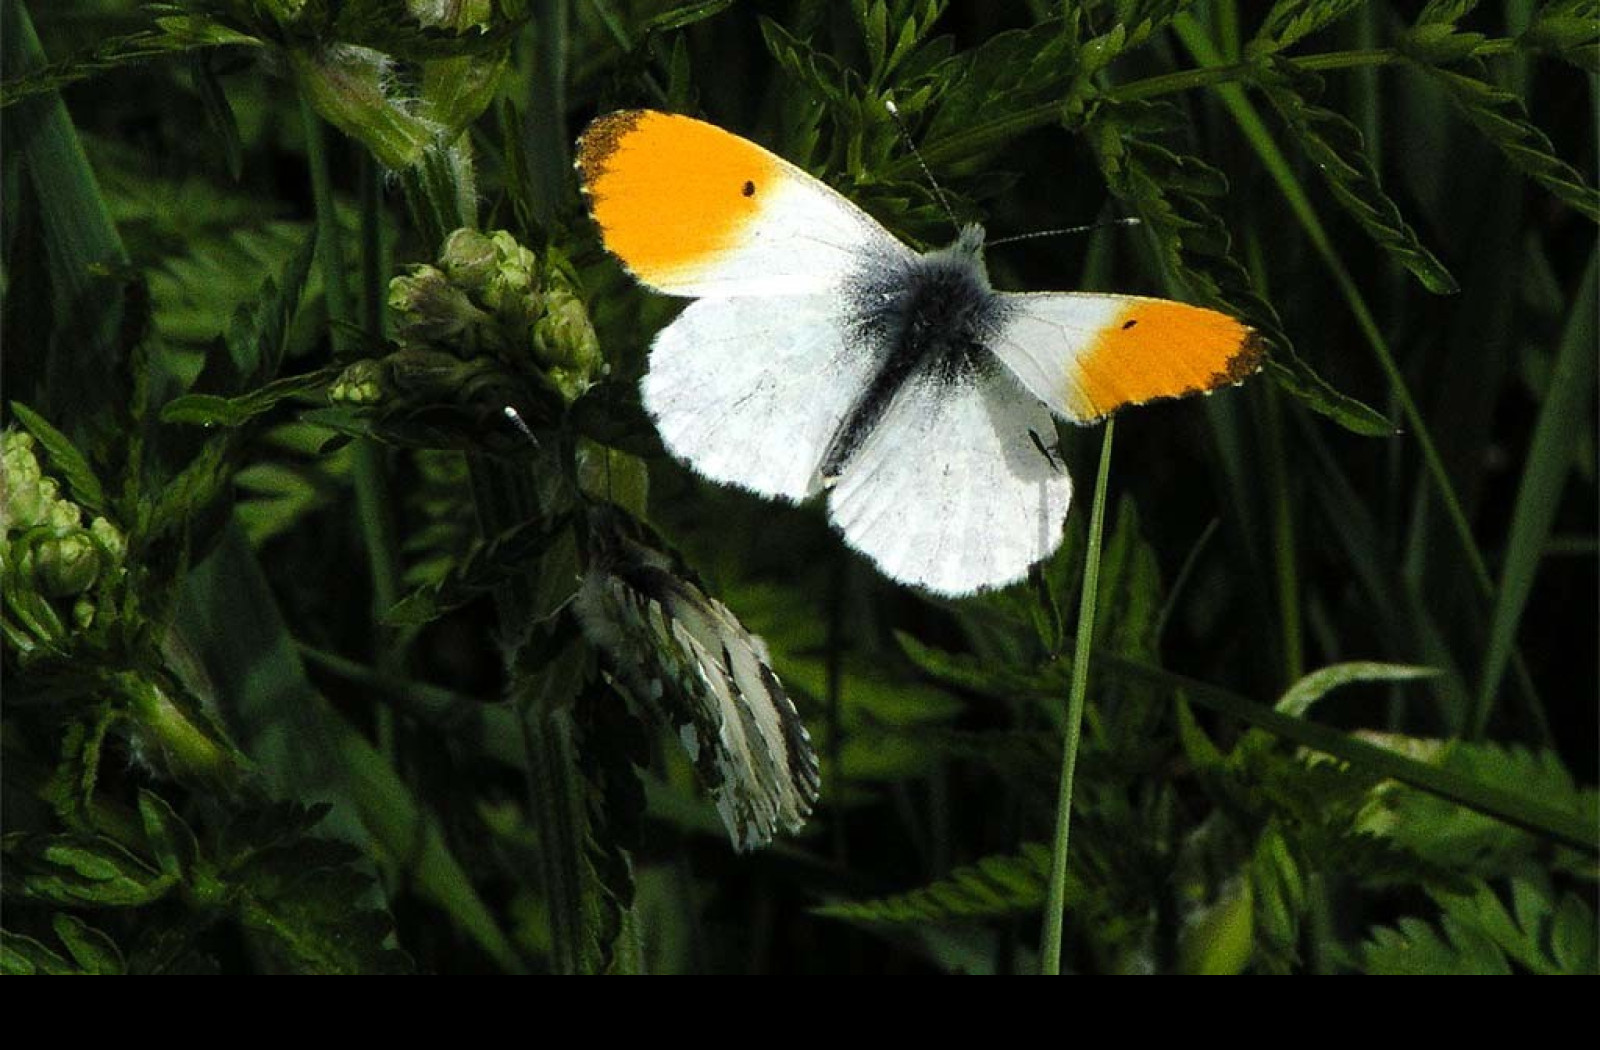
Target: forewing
[691, 209]
[1087, 355]
[750, 391]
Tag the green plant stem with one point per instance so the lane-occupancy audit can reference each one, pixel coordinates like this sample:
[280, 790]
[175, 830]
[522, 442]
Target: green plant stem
[1055, 904]
[371, 490]
[374, 506]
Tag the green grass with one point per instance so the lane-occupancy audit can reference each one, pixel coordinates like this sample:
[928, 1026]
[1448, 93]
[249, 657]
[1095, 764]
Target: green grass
[297, 673]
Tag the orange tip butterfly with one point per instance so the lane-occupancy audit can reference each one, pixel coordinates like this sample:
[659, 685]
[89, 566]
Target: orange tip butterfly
[822, 354]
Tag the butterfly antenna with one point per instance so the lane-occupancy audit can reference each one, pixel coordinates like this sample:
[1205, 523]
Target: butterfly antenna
[1102, 224]
[927, 172]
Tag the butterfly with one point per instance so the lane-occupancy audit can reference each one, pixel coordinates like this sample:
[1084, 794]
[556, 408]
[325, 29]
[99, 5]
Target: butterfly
[822, 354]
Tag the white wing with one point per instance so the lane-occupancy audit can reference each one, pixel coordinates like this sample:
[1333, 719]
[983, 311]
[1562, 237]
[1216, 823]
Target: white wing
[750, 391]
[951, 490]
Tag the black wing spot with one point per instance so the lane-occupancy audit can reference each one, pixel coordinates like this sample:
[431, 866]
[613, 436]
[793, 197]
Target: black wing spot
[749, 189]
[1128, 324]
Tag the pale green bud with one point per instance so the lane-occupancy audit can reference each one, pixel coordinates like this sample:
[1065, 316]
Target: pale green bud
[512, 290]
[361, 384]
[469, 258]
[110, 537]
[429, 308]
[21, 502]
[564, 342]
[66, 565]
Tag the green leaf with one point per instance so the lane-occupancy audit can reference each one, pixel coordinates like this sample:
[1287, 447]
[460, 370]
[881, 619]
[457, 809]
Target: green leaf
[1447, 12]
[259, 336]
[813, 69]
[1291, 21]
[72, 465]
[1476, 934]
[78, 368]
[1563, 419]
[306, 750]
[1464, 840]
[211, 410]
[685, 15]
[303, 897]
[982, 676]
[224, 127]
[487, 566]
[1568, 28]
[1298, 699]
[1169, 191]
[1010, 71]
[79, 871]
[1502, 118]
[1278, 892]
[994, 887]
[1336, 149]
[91, 950]
[1561, 826]
[170, 839]
[172, 36]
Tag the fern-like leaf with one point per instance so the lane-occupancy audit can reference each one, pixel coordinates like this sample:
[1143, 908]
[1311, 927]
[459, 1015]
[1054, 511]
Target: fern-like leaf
[1501, 117]
[995, 887]
[1335, 148]
[1475, 933]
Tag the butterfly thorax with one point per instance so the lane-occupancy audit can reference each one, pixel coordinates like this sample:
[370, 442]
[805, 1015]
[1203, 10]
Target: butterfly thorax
[929, 321]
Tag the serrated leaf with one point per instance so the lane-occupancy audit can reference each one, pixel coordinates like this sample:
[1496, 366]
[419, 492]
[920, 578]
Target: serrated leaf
[91, 950]
[1448, 12]
[224, 127]
[172, 36]
[1336, 149]
[1476, 934]
[1194, 244]
[686, 15]
[211, 410]
[1291, 21]
[170, 839]
[1502, 118]
[1297, 700]
[1568, 28]
[22, 956]
[994, 887]
[258, 338]
[1008, 72]
[79, 871]
[968, 671]
[813, 69]
[72, 465]
[1461, 839]
[486, 566]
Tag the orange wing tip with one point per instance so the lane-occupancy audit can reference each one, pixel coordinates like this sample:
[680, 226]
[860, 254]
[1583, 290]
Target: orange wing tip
[671, 194]
[602, 138]
[1155, 349]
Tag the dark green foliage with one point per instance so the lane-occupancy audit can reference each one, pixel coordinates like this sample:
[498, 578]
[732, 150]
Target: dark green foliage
[296, 671]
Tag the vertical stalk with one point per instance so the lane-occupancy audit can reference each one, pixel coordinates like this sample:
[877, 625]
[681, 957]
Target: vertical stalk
[1055, 905]
[374, 508]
